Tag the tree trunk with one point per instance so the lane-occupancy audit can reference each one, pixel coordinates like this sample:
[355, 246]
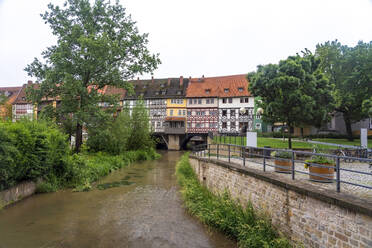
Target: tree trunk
[79, 137]
[289, 137]
[348, 128]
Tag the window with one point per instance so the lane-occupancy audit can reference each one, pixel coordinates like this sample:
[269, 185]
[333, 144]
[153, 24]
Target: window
[258, 126]
[240, 89]
[163, 92]
[244, 100]
[207, 101]
[224, 124]
[207, 91]
[189, 124]
[197, 125]
[224, 100]
[212, 101]
[179, 112]
[171, 112]
[195, 101]
[190, 101]
[226, 90]
[178, 92]
[232, 112]
[232, 125]
[199, 101]
[188, 113]
[230, 100]
[184, 112]
[224, 112]
[202, 113]
[145, 86]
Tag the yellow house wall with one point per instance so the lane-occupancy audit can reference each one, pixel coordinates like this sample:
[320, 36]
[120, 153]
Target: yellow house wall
[175, 105]
[175, 112]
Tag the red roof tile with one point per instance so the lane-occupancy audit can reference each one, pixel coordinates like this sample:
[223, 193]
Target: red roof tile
[215, 86]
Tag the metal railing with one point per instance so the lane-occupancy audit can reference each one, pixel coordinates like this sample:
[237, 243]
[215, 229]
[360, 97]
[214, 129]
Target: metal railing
[263, 157]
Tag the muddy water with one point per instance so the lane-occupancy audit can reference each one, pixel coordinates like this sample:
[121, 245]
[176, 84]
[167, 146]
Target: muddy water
[137, 206]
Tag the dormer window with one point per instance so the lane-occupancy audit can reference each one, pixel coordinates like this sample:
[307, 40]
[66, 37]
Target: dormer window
[163, 92]
[226, 90]
[178, 92]
[240, 89]
[207, 91]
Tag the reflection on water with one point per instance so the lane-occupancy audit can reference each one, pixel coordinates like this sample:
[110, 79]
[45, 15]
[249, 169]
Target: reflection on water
[137, 206]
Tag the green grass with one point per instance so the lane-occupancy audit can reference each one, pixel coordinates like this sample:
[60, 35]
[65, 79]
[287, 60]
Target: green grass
[356, 142]
[283, 144]
[226, 214]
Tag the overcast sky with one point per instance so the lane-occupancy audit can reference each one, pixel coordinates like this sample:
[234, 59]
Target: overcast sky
[199, 37]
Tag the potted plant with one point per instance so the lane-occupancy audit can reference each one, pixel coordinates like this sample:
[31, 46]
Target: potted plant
[321, 169]
[282, 161]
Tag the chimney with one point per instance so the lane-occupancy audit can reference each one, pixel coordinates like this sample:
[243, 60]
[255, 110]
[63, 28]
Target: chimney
[169, 81]
[181, 81]
[189, 80]
[152, 79]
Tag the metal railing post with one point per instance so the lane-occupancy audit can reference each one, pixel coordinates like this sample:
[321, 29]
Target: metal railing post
[264, 159]
[218, 150]
[338, 183]
[209, 151]
[293, 166]
[243, 156]
[229, 152]
[264, 164]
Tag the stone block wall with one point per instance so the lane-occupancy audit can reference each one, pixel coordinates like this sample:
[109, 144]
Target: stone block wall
[16, 193]
[300, 211]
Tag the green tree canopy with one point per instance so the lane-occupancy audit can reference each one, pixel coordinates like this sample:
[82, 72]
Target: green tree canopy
[97, 45]
[294, 91]
[350, 70]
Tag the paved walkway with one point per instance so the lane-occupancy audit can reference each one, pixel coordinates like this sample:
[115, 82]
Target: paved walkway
[346, 176]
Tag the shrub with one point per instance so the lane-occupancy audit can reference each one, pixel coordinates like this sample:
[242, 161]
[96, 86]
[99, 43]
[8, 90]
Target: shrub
[31, 150]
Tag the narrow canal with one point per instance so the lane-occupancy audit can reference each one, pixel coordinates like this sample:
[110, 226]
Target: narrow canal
[143, 209]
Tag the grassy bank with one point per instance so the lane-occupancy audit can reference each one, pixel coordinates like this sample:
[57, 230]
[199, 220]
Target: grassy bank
[283, 144]
[221, 212]
[85, 168]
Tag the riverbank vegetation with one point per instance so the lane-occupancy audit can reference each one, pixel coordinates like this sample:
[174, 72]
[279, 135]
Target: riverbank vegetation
[39, 151]
[245, 225]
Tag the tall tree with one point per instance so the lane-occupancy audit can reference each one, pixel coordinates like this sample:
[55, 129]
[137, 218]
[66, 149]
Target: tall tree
[294, 92]
[97, 45]
[350, 70]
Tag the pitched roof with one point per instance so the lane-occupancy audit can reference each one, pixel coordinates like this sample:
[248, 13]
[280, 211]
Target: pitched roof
[159, 88]
[10, 92]
[111, 90]
[224, 86]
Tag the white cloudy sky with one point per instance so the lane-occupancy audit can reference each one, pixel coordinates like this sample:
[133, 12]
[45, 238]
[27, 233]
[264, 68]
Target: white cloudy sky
[199, 37]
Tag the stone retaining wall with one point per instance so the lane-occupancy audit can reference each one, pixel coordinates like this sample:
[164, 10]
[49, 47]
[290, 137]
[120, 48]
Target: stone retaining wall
[303, 212]
[16, 193]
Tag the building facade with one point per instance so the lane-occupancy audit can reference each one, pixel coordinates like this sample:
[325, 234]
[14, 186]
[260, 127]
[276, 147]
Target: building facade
[235, 105]
[202, 106]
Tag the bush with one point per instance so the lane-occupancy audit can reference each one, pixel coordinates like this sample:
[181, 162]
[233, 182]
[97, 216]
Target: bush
[226, 214]
[30, 150]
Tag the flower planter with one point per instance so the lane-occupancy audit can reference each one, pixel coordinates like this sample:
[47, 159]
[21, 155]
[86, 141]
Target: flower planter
[322, 174]
[283, 163]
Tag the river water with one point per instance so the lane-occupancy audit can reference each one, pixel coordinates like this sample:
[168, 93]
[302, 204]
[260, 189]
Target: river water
[144, 209]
